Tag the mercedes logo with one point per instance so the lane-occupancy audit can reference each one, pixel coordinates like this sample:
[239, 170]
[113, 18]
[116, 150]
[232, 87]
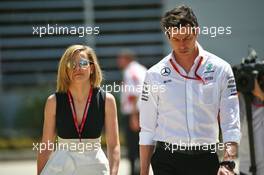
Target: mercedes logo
[165, 71]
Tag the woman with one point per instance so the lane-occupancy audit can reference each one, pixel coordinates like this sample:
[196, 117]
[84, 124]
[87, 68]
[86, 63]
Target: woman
[76, 113]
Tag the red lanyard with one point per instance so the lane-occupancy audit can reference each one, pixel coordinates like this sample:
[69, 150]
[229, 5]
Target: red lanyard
[258, 105]
[195, 73]
[74, 115]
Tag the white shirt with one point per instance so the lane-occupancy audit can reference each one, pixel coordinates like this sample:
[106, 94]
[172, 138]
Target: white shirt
[258, 134]
[132, 85]
[186, 111]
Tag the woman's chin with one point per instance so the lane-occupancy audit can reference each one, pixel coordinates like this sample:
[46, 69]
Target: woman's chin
[79, 79]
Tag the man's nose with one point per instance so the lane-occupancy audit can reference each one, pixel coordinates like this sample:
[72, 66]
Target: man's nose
[182, 44]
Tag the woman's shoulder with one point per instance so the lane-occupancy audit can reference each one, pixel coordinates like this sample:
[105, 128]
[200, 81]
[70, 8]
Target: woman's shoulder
[51, 102]
[51, 99]
[109, 98]
[55, 97]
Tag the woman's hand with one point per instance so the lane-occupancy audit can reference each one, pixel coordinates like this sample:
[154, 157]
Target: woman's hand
[48, 132]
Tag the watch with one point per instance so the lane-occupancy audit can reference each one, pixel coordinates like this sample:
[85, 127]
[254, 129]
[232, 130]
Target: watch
[229, 164]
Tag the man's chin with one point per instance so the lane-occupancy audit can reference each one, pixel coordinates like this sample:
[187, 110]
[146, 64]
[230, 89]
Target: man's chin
[187, 52]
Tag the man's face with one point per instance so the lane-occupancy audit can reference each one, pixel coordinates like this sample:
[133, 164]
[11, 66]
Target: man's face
[258, 90]
[261, 82]
[182, 40]
[122, 61]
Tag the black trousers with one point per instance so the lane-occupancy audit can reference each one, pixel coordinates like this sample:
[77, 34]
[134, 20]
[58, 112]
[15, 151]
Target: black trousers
[132, 139]
[165, 162]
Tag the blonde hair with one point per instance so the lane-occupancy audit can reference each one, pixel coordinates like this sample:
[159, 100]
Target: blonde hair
[63, 80]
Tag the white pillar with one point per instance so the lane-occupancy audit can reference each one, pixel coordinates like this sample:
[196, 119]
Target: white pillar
[89, 21]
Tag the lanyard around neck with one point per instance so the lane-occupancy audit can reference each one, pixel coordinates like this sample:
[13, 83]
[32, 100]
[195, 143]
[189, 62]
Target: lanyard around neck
[258, 104]
[74, 115]
[197, 77]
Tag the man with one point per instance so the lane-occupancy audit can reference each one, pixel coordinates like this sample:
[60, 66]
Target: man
[180, 117]
[258, 130]
[133, 77]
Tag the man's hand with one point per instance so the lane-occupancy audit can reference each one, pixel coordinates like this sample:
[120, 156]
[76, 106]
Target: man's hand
[230, 154]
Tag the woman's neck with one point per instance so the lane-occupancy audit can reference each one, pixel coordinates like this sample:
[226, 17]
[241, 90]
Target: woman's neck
[80, 91]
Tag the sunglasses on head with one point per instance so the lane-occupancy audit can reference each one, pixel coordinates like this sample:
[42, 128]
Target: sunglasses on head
[83, 63]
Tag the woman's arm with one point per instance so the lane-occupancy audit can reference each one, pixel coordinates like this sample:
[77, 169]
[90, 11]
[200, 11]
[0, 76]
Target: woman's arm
[112, 136]
[48, 132]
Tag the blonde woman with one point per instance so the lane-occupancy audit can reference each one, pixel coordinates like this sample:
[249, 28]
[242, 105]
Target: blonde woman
[76, 114]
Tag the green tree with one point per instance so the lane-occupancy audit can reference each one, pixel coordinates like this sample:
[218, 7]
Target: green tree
[29, 118]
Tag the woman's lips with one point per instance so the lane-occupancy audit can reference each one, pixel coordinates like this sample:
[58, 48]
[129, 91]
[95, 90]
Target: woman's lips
[79, 74]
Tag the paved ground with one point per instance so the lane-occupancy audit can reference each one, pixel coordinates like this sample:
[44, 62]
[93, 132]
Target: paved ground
[28, 167]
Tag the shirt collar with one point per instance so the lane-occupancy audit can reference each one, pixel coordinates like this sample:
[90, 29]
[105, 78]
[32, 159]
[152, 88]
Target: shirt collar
[201, 54]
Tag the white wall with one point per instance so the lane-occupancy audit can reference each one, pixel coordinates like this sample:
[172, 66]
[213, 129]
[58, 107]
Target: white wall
[244, 16]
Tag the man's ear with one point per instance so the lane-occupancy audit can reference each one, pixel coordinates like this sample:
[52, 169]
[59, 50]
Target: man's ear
[196, 31]
[167, 31]
[168, 35]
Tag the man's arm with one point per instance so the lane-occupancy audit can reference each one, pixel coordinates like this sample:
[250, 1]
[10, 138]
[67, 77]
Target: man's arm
[229, 116]
[229, 109]
[134, 117]
[230, 154]
[146, 152]
[231, 150]
[148, 122]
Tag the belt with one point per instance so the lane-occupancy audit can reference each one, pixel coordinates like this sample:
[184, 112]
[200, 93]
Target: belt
[189, 150]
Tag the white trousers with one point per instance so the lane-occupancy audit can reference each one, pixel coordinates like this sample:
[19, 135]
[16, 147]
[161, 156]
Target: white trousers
[88, 161]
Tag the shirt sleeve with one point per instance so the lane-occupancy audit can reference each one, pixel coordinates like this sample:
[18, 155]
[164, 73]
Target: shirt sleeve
[229, 107]
[148, 111]
[134, 81]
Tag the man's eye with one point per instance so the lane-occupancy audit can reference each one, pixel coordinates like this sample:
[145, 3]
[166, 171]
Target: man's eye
[188, 38]
[175, 39]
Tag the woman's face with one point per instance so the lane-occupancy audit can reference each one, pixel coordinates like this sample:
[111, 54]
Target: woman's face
[79, 68]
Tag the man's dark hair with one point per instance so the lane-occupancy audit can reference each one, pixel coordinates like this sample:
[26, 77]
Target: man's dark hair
[179, 17]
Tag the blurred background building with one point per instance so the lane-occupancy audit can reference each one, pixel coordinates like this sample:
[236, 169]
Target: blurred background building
[28, 62]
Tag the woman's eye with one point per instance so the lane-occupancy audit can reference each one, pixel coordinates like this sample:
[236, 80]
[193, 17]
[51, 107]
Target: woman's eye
[83, 62]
